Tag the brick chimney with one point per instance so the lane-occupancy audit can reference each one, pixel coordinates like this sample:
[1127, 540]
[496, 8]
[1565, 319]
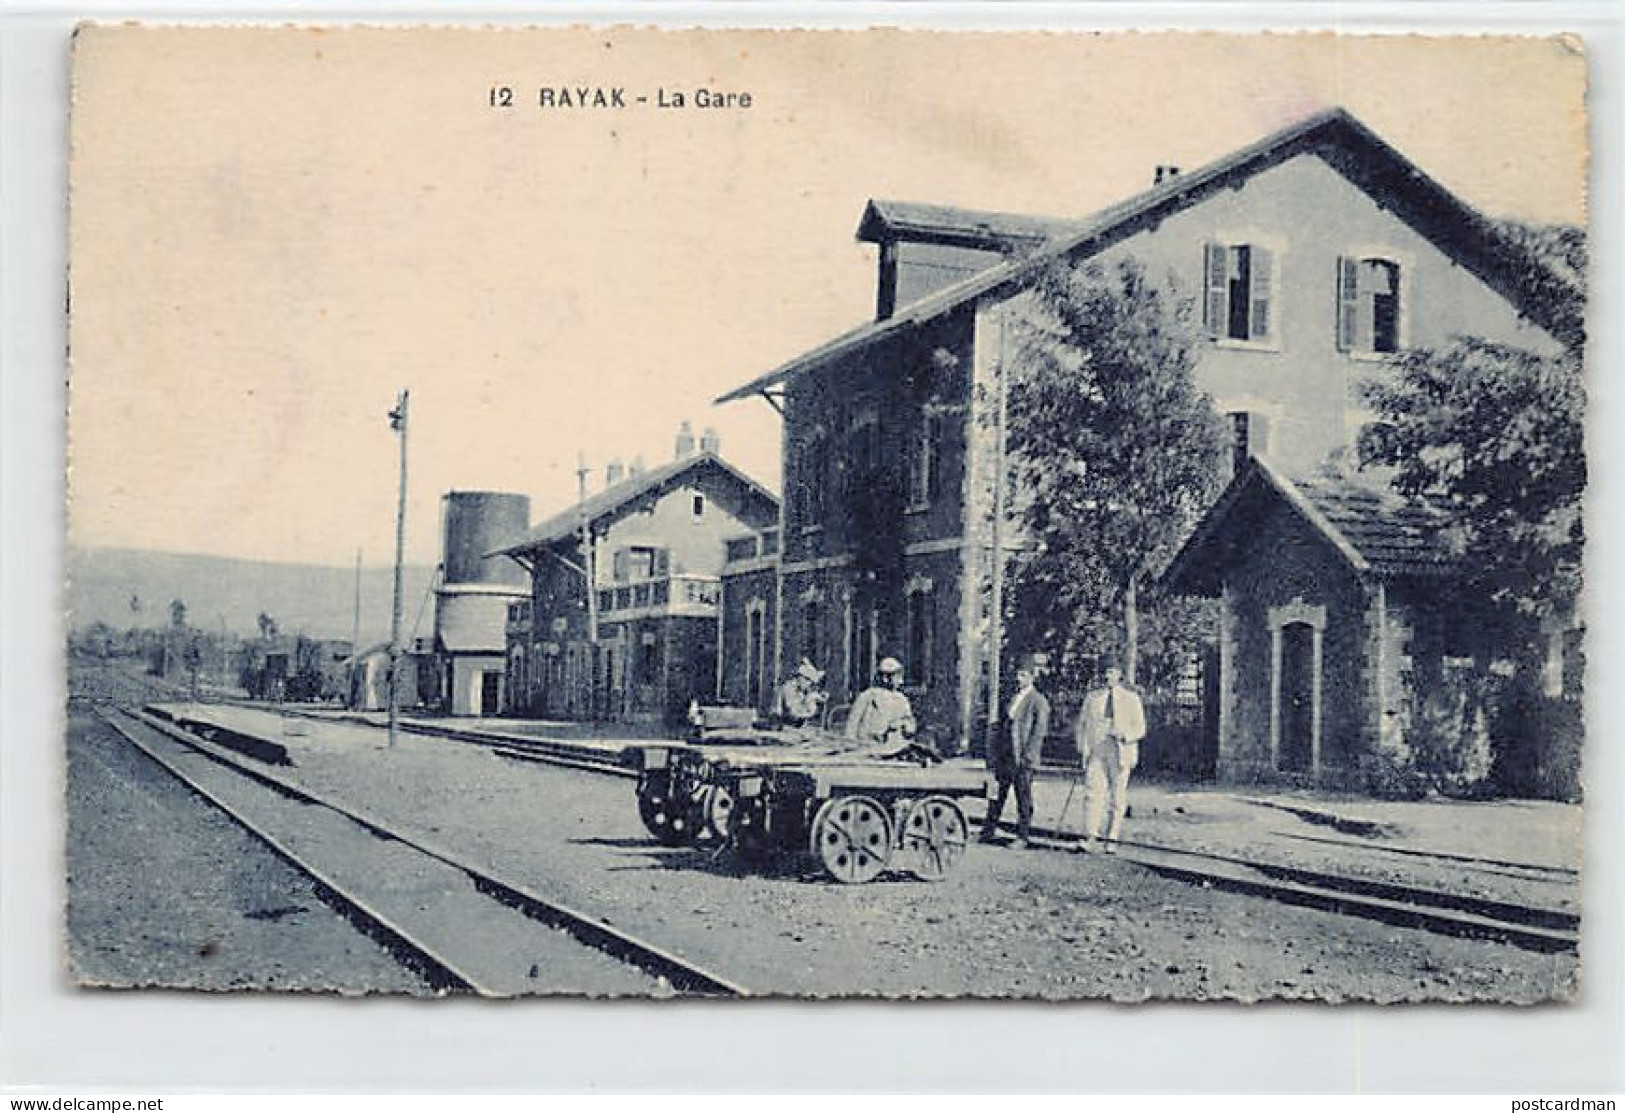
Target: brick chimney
[1165, 173]
[685, 441]
[711, 441]
[614, 472]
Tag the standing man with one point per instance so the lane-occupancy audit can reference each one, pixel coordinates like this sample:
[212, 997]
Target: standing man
[881, 715]
[1110, 727]
[1014, 755]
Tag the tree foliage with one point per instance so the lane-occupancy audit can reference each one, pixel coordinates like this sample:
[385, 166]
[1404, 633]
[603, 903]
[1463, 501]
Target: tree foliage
[1491, 434]
[1114, 455]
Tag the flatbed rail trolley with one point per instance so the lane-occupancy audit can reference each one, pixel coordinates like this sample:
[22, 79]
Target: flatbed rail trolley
[857, 816]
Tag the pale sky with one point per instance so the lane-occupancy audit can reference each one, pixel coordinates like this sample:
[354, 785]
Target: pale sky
[274, 230]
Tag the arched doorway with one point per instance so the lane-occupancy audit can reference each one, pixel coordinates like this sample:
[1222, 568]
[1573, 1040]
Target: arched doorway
[1297, 631]
[1296, 751]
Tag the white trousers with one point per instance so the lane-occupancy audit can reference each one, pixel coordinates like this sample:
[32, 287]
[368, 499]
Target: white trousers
[1105, 788]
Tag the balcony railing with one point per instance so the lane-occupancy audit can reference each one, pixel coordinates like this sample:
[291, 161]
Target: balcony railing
[680, 593]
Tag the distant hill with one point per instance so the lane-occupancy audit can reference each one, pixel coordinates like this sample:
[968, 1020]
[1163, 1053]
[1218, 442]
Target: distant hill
[315, 600]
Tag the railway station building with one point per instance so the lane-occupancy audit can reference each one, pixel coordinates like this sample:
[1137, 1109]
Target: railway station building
[1312, 257]
[652, 544]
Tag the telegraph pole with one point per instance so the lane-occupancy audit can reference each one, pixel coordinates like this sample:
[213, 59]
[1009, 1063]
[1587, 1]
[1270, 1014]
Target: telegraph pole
[590, 571]
[397, 422]
[995, 648]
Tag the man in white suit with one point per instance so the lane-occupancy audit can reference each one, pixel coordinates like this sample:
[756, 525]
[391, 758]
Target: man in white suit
[1110, 727]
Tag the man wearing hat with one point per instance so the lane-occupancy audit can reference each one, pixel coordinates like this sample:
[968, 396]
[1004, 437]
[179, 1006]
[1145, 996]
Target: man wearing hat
[1110, 726]
[881, 714]
[801, 699]
[1014, 752]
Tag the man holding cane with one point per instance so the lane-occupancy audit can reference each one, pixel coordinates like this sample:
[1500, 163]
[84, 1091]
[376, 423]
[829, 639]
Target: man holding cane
[1110, 727]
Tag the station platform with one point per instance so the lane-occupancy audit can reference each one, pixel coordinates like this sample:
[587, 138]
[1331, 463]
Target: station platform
[1519, 848]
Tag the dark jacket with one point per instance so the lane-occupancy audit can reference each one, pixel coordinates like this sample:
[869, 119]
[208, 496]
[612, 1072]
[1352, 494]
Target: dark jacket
[1022, 738]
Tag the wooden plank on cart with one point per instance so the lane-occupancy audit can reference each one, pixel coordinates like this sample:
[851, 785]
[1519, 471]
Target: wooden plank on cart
[872, 776]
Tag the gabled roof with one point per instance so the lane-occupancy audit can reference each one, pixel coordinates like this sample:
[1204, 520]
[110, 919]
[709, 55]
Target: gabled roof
[615, 502]
[885, 221]
[1377, 534]
[1350, 147]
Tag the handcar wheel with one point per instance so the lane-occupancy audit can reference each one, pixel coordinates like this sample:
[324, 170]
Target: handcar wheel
[934, 837]
[666, 818]
[852, 839]
[718, 806]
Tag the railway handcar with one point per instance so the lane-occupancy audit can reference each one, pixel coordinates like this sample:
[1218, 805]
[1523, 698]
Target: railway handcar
[856, 815]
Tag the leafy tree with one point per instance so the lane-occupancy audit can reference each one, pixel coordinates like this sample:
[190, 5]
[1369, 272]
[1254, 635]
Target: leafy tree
[267, 625]
[1492, 435]
[1115, 453]
[177, 613]
[1558, 250]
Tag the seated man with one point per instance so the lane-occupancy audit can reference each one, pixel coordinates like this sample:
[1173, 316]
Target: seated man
[881, 715]
[801, 699]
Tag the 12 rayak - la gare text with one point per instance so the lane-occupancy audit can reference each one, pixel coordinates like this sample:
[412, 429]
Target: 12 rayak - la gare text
[593, 97]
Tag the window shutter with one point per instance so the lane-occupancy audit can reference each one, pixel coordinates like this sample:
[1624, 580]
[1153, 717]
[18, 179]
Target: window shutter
[1348, 302]
[1260, 325]
[662, 562]
[1215, 300]
[621, 565]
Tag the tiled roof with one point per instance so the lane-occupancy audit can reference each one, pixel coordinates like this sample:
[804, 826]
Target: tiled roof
[1394, 537]
[1357, 152]
[611, 501]
[1378, 534]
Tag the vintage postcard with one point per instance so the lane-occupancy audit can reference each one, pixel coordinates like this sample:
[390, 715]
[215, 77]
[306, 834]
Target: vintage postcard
[624, 512]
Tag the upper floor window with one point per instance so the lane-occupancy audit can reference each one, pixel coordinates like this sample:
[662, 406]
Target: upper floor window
[1368, 305]
[639, 563]
[925, 461]
[1239, 292]
[1249, 437]
[863, 450]
[699, 506]
[811, 468]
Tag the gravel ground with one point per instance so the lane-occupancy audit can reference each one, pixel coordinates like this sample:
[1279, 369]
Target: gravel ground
[1193, 821]
[1008, 923]
[163, 890]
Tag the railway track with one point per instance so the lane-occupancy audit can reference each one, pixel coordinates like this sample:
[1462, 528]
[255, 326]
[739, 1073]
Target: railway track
[1528, 926]
[458, 924]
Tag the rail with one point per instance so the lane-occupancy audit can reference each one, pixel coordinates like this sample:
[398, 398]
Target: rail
[442, 969]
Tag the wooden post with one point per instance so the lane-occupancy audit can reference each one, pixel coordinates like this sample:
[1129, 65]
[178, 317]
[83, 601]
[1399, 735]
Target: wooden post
[589, 566]
[397, 421]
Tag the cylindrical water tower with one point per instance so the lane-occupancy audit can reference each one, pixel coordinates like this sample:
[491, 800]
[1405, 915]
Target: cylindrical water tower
[471, 603]
[474, 523]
